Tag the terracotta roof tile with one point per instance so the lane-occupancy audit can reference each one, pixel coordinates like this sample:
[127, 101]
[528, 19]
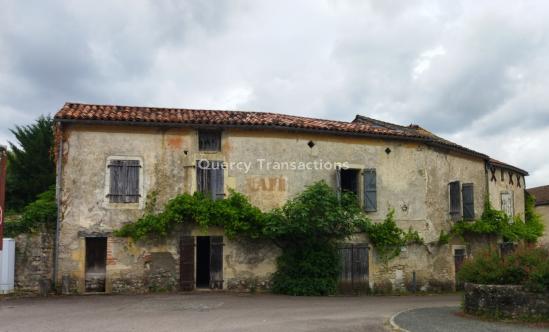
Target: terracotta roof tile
[541, 194]
[361, 126]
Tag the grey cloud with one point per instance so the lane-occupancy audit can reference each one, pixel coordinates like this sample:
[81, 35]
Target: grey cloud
[475, 72]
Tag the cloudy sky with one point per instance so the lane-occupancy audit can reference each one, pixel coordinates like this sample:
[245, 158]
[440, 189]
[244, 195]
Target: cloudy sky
[475, 72]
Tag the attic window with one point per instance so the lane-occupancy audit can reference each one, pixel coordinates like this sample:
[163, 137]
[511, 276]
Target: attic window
[387, 151]
[311, 144]
[209, 140]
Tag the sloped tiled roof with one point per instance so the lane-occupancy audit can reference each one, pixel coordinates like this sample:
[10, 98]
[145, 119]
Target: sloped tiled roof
[541, 194]
[361, 126]
[501, 164]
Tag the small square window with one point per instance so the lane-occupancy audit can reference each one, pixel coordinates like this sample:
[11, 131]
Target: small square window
[209, 140]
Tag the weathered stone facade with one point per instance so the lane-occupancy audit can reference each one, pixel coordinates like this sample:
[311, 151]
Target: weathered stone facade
[412, 178]
[34, 261]
[505, 301]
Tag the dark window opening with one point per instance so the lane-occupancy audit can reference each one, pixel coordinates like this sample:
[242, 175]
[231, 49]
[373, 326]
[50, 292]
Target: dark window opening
[96, 264]
[349, 180]
[124, 181]
[507, 248]
[311, 144]
[459, 258]
[202, 261]
[209, 140]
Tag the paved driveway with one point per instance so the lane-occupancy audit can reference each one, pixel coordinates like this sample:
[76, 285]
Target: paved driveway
[208, 312]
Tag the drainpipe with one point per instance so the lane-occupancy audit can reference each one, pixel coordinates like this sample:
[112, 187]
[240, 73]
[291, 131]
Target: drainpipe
[58, 199]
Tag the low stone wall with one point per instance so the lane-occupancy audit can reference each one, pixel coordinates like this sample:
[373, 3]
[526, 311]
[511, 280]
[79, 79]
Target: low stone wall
[33, 261]
[505, 301]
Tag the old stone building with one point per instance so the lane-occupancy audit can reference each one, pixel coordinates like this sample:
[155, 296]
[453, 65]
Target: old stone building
[542, 207]
[115, 162]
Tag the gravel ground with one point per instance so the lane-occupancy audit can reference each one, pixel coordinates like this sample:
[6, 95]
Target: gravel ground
[444, 319]
[208, 312]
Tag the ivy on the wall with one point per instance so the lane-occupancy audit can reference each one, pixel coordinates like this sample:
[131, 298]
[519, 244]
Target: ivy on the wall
[307, 229]
[498, 223]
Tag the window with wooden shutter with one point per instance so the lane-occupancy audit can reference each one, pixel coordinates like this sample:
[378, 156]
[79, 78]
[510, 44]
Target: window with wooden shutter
[370, 190]
[507, 205]
[124, 181]
[210, 178]
[455, 200]
[468, 201]
[209, 140]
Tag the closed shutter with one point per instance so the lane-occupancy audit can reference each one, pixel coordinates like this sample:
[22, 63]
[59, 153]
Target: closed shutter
[455, 200]
[210, 179]
[202, 178]
[370, 190]
[186, 263]
[216, 262]
[507, 203]
[217, 182]
[124, 181]
[468, 201]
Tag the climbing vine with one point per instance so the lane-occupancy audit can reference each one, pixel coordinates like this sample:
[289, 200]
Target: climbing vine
[388, 239]
[498, 223]
[307, 229]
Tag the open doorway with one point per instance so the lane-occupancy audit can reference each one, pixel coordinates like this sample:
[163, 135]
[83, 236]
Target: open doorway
[96, 264]
[349, 180]
[202, 261]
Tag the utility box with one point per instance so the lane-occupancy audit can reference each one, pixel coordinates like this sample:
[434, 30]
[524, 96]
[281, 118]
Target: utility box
[7, 266]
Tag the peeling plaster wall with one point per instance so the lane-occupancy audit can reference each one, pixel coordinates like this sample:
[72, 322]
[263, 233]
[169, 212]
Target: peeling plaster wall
[413, 179]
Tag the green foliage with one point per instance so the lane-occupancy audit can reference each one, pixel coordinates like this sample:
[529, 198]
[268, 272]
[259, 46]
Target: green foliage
[495, 222]
[307, 229]
[307, 269]
[38, 214]
[315, 213]
[388, 238]
[31, 168]
[235, 214]
[527, 266]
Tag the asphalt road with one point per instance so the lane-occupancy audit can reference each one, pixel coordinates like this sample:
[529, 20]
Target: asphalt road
[445, 320]
[209, 312]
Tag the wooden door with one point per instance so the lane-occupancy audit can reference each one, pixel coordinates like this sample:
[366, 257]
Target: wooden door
[354, 271]
[216, 262]
[186, 263]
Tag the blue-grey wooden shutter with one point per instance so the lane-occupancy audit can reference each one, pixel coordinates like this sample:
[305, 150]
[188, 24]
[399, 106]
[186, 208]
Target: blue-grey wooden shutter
[455, 200]
[217, 181]
[124, 181]
[203, 178]
[468, 201]
[370, 190]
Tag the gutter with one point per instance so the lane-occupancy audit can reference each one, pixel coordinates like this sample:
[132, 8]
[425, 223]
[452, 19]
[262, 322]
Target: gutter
[58, 179]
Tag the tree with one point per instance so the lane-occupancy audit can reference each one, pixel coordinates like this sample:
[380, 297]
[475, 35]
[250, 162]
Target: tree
[31, 168]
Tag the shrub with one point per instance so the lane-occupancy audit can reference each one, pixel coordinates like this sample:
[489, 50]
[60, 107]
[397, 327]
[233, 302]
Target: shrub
[527, 266]
[38, 214]
[307, 269]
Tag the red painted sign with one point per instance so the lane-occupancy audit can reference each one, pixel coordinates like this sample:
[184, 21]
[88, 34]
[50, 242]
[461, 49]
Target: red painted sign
[3, 164]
